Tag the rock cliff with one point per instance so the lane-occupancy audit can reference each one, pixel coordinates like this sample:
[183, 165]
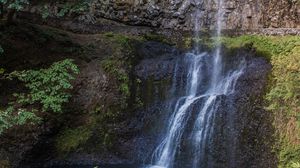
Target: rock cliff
[178, 14]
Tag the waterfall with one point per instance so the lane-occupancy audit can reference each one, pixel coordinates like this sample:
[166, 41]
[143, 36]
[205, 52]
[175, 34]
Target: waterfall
[217, 64]
[195, 111]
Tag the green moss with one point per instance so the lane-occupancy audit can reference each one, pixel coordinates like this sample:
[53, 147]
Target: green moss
[158, 38]
[114, 67]
[2, 70]
[289, 157]
[187, 42]
[268, 46]
[120, 65]
[109, 34]
[102, 120]
[122, 38]
[71, 139]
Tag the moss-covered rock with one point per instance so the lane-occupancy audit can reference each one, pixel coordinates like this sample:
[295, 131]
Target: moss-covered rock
[71, 139]
[283, 97]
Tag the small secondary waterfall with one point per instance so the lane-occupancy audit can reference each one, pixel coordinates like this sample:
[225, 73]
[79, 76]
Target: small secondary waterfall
[206, 80]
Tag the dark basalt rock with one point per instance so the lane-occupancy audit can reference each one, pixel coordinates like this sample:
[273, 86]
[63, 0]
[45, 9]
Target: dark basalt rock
[179, 15]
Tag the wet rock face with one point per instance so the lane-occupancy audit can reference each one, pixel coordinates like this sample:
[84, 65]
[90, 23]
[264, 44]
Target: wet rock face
[178, 14]
[140, 133]
[159, 62]
[242, 127]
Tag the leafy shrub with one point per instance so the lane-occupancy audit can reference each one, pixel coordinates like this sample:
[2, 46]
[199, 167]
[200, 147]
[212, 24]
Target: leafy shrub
[77, 7]
[14, 4]
[46, 87]
[22, 116]
[9, 7]
[67, 8]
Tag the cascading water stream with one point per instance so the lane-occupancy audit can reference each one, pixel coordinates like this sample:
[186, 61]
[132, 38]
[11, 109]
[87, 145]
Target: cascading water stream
[220, 83]
[217, 63]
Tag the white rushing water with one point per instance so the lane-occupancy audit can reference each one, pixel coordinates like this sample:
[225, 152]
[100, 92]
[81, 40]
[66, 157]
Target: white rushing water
[220, 83]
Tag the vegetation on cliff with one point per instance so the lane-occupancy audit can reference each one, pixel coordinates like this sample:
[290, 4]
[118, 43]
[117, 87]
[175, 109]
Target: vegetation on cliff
[283, 98]
[46, 87]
